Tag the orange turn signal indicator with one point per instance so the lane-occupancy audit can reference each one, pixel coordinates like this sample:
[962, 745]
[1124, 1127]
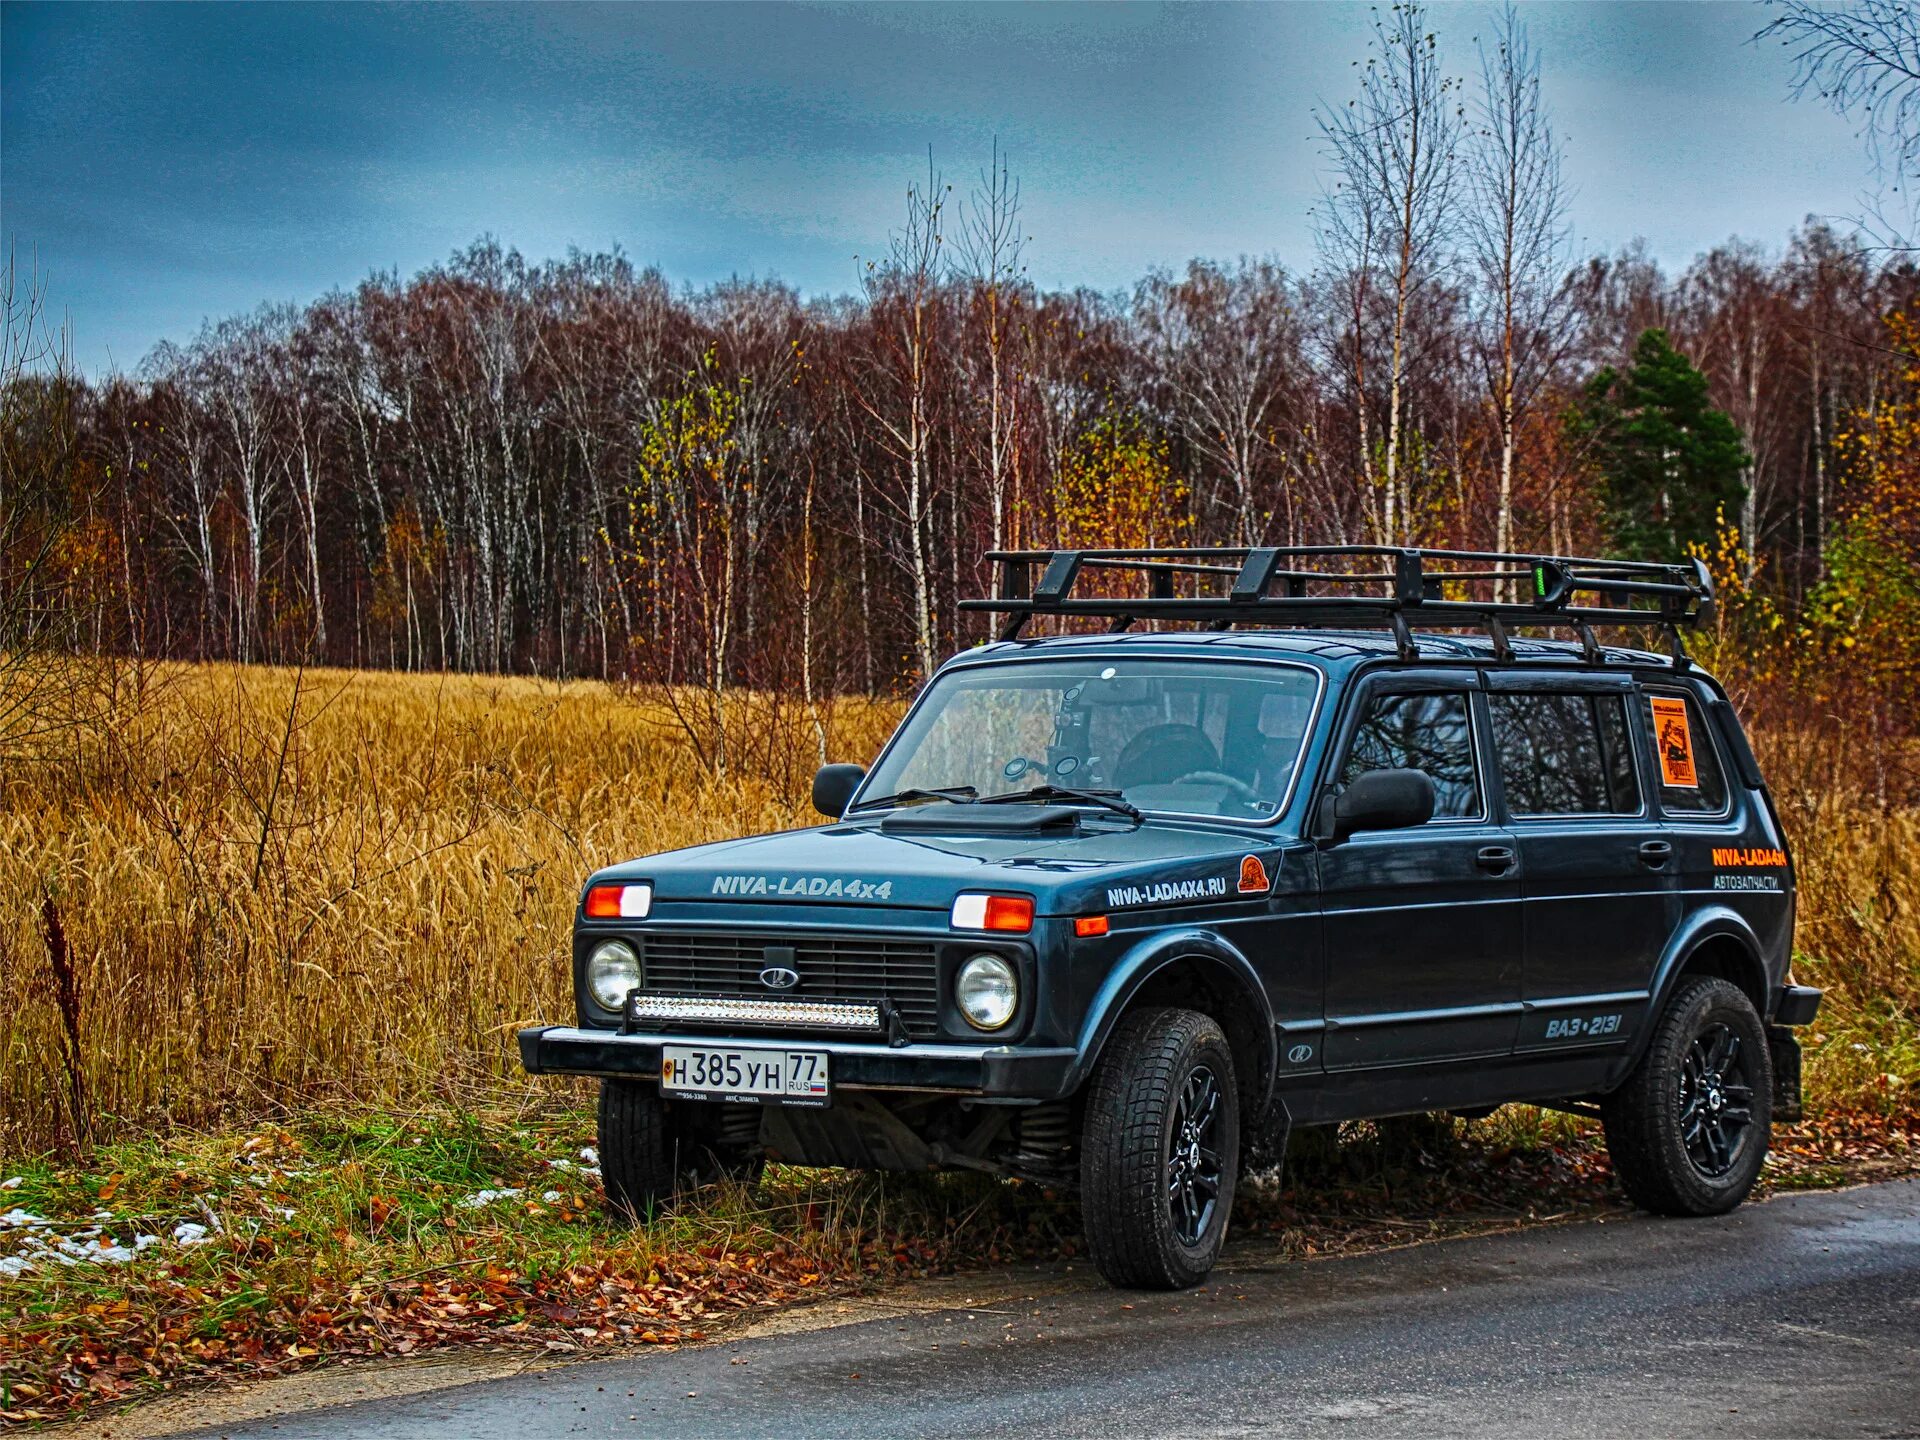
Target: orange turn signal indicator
[1086, 926]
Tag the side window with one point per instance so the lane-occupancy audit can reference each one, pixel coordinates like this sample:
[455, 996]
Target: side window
[1431, 732]
[1691, 780]
[1564, 754]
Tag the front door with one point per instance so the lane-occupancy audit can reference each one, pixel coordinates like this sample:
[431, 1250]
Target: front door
[1600, 893]
[1422, 925]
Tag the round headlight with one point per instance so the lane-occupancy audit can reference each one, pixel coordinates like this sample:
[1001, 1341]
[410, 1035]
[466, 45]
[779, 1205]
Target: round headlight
[987, 992]
[612, 970]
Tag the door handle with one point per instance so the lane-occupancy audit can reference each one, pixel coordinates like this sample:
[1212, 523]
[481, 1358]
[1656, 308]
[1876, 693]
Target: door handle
[1495, 858]
[1655, 853]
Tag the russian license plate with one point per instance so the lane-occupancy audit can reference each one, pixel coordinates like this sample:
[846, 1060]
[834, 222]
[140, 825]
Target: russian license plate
[746, 1073]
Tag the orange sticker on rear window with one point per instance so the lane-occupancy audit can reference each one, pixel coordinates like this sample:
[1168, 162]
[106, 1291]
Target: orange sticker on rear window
[1673, 737]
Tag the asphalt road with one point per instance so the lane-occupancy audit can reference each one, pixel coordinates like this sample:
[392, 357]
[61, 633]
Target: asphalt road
[1797, 1317]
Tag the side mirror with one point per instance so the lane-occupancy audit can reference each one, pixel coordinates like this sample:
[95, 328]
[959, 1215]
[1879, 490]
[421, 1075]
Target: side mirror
[833, 787]
[1380, 800]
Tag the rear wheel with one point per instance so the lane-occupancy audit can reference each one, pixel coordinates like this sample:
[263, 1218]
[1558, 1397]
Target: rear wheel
[1689, 1130]
[652, 1150]
[1160, 1150]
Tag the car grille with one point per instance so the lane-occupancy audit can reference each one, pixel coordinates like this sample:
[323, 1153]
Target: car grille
[831, 967]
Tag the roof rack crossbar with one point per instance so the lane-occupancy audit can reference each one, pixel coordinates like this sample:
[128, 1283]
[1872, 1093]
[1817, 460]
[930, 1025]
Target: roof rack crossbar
[1236, 585]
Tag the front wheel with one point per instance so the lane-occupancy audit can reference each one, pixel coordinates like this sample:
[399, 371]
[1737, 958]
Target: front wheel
[1160, 1150]
[1689, 1130]
[652, 1150]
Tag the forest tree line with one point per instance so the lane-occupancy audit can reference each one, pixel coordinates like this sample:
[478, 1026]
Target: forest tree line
[574, 467]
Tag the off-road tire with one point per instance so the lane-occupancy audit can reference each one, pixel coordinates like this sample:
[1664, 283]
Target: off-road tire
[1126, 1150]
[652, 1151]
[1644, 1122]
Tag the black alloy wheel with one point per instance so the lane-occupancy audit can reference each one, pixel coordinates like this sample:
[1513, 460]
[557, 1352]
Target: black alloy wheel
[1194, 1161]
[1715, 1095]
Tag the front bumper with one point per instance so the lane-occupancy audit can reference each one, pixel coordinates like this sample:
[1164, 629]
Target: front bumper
[990, 1071]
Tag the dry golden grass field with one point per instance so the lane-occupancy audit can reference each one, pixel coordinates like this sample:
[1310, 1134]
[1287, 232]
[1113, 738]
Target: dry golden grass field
[232, 894]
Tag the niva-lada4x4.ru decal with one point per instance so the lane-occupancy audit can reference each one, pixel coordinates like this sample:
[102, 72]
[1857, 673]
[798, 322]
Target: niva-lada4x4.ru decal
[1251, 880]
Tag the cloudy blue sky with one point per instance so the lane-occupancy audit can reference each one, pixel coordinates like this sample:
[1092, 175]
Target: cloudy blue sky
[164, 163]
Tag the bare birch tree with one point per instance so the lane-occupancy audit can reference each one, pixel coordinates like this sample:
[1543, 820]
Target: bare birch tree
[1517, 234]
[992, 258]
[1394, 152]
[898, 390]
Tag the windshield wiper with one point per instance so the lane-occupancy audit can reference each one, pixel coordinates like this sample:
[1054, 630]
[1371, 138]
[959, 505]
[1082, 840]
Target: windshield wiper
[1112, 800]
[952, 794]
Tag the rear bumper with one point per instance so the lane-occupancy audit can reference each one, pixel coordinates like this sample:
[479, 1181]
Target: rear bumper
[989, 1071]
[1798, 1004]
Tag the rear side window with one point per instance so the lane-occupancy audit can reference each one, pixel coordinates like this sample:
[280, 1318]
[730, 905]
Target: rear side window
[1564, 754]
[1431, 732]
[1691, 780]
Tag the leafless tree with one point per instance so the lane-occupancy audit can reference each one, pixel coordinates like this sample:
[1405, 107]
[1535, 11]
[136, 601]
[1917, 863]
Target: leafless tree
[991, 253]
[1516, 232]
[1862, 57]
[898, 387]
[1394, 150]
[1227, 344]
[38, 446]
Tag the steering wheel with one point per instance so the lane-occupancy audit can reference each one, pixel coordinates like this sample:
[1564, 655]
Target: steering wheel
[1220, 777]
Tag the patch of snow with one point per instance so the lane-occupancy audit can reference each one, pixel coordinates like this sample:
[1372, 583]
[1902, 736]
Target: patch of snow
[485, 1197]
[590, 1155]
[12, 1184]
[14, 1265]
[17, 1217]
[552, 1196]
[141, 1242]
[189, 1233]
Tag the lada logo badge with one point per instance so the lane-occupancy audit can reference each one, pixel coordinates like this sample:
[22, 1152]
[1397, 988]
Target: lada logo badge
[779, 977]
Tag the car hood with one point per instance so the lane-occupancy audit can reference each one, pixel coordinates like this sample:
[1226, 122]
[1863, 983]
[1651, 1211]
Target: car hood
[1098, 865]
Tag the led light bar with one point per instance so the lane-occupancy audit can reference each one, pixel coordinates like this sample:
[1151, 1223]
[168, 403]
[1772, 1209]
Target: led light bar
[815, 1014]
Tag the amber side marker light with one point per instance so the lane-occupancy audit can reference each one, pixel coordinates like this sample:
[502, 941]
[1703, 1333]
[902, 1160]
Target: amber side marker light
[1087, 926]
[1012, 914]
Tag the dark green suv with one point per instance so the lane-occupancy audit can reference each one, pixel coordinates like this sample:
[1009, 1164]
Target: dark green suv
[1109, 903]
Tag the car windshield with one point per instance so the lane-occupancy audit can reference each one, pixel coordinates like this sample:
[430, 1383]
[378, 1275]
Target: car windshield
[1215, 738]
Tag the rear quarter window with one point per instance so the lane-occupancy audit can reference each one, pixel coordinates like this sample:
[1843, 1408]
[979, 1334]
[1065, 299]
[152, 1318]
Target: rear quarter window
[1564, 754]
[1686, 764]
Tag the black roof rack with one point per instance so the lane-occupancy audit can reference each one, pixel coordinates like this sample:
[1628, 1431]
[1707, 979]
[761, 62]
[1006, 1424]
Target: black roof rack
[1355, 587]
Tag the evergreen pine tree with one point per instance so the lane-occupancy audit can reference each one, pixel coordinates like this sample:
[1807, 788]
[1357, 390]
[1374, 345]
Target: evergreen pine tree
[1670, 463]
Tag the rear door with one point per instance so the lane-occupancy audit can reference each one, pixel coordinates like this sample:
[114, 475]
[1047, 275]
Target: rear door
[1422, 925]
[1600, 890]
